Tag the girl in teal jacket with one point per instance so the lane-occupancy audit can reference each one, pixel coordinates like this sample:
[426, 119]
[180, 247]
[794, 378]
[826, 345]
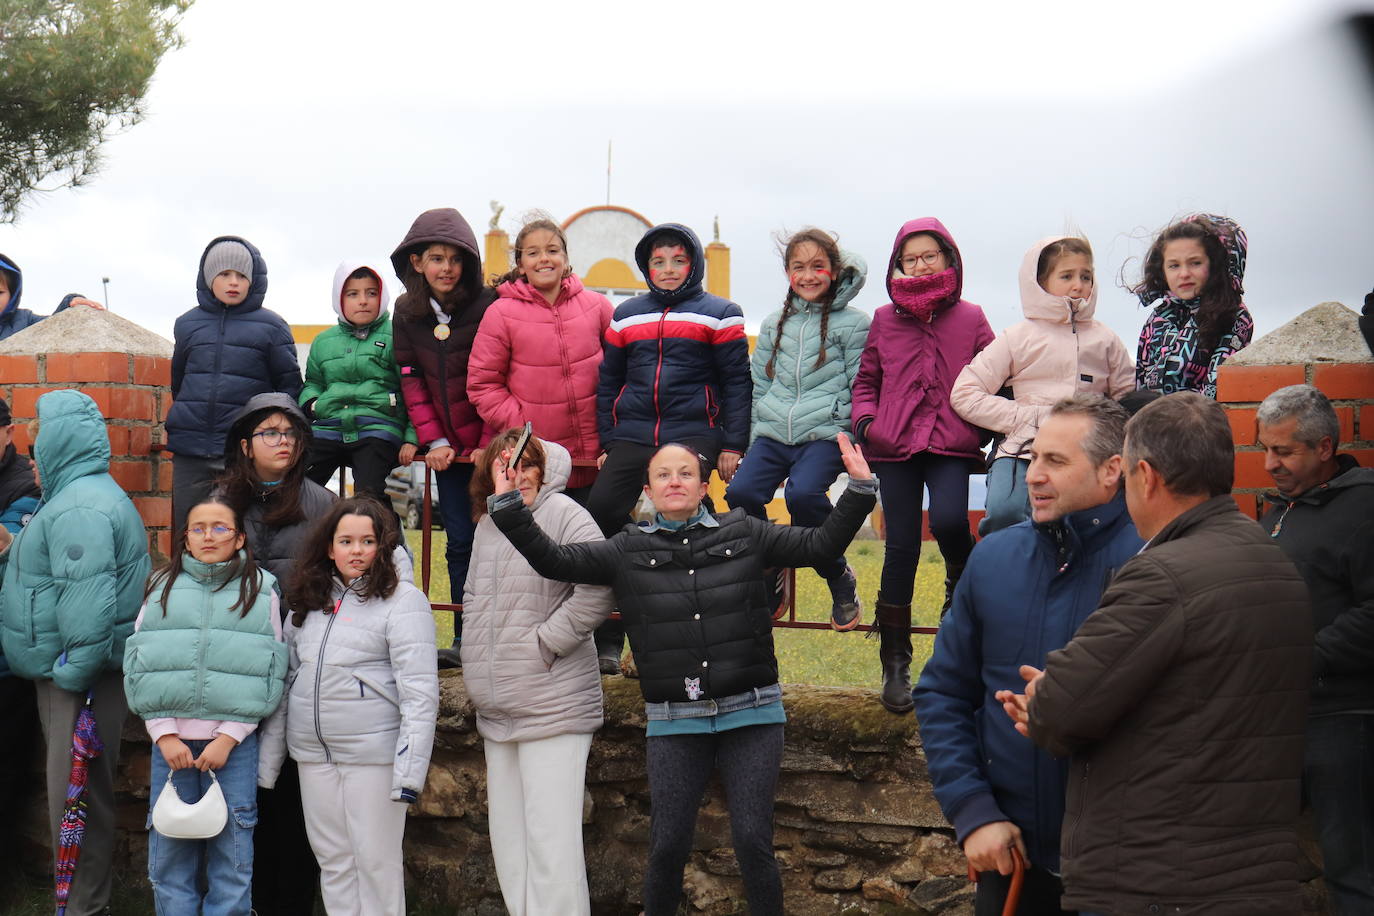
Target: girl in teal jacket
[206, 665]
[803, 368]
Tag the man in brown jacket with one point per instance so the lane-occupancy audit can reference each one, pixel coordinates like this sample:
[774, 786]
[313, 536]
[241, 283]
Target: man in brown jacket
[1183, 698]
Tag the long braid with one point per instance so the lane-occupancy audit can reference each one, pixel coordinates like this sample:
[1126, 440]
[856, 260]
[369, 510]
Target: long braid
[777, 338]
[825, 324]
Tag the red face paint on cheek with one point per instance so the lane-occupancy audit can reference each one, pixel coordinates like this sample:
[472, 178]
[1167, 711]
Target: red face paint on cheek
[825, 273]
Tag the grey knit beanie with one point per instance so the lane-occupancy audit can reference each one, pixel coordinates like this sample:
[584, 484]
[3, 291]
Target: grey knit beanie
[227, 255]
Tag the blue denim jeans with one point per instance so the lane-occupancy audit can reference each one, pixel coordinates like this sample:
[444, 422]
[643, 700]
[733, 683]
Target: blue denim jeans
[809, 470]
[455, 508]
[1338, 780]
[174, 866]
[1008, 500]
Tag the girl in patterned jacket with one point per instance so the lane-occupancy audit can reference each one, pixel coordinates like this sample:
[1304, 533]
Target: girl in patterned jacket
[803, 369]
[1193, 280]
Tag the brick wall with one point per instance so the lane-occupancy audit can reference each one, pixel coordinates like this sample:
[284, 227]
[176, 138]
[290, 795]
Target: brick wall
[133, 392]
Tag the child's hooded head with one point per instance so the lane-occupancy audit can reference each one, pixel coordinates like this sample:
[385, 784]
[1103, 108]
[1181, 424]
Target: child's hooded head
[671, 258]
[11, 281]
[360, 294]
[438, 259]
[228, 270]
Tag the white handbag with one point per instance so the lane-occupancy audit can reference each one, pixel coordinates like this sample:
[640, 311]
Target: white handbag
[203, 820]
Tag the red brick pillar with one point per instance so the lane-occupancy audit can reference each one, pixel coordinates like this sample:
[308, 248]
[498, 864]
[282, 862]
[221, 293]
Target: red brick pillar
[132, 388]
[1321, 347]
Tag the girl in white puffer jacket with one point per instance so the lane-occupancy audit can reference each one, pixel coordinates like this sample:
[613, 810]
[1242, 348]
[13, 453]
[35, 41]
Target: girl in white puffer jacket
[362, 699]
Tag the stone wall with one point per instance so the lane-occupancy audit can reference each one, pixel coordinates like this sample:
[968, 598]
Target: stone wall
[857, 829]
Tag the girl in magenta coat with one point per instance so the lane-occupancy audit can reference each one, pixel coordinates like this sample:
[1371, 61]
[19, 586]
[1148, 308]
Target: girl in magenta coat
[538, 350]
[915, 441]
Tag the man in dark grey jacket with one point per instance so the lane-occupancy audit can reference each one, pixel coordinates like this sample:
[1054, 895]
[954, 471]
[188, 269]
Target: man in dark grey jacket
[1183, 698]
[1323, 518]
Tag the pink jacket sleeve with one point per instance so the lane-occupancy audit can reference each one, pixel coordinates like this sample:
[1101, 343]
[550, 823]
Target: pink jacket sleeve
[974, 396]
[489, 373]
[1121, 381]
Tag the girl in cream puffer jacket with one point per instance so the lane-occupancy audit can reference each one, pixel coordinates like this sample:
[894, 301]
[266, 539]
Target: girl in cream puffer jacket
[1058, 351]
[530, 669]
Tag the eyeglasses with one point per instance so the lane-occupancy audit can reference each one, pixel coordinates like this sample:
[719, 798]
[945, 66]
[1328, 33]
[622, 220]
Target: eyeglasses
[218, 531]
[272, 437]
[929, 259]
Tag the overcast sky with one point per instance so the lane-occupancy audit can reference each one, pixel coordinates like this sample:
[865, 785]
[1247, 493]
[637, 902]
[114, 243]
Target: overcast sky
[319, 132]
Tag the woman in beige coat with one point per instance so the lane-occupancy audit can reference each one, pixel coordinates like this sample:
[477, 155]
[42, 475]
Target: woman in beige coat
[530, 670]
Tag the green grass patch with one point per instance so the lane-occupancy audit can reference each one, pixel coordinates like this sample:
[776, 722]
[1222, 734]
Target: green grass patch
[804, 656]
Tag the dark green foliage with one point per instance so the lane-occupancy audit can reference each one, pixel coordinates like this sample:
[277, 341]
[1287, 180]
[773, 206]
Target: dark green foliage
[72, 74]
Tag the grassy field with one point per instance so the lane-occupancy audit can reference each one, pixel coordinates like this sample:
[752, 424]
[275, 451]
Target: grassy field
[804, 656]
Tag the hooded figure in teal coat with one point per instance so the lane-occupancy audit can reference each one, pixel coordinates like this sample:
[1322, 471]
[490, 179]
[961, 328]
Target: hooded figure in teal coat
[74, 579]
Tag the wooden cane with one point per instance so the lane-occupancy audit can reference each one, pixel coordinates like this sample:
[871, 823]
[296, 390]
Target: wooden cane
[1018, 878]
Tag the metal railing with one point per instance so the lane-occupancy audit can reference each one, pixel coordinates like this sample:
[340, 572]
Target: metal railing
[786, 620]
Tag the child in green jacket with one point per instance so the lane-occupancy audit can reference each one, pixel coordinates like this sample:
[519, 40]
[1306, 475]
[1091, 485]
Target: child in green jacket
[353, 388]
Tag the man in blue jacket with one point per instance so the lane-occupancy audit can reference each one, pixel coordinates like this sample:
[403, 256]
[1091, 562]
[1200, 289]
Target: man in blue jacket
[72, 586]
[1025, 591]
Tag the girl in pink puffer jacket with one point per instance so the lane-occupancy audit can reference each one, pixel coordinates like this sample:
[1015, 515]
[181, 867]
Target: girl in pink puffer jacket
[1059, 350]
[538, 350]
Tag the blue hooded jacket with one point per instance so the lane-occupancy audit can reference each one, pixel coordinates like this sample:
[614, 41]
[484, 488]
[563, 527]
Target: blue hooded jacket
[225, 355]
[1024, 593]
[13, 319]
[74, 576]
[675, 362]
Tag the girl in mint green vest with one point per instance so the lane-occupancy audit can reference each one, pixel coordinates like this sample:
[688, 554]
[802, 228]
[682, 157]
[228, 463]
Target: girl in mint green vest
[803, 368]
[205, 666]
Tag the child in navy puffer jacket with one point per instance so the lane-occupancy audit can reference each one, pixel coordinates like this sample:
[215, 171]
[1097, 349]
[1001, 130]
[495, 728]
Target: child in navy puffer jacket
[228, 349]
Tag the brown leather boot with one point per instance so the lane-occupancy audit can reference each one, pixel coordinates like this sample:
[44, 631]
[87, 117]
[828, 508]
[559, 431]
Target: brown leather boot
[894, 651]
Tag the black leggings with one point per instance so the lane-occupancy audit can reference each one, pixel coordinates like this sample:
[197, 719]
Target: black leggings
[679, 765]
[946, 480]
